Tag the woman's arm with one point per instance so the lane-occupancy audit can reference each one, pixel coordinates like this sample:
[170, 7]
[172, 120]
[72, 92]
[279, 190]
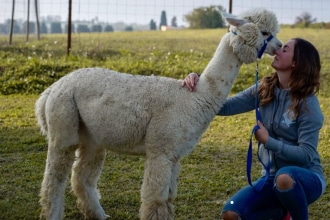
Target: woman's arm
[242, 102]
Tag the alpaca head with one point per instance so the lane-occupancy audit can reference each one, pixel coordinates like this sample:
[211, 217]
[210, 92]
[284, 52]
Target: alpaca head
[251, 32]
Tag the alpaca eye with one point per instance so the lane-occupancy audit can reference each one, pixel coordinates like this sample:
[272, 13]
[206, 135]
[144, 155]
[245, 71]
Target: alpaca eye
[264, 33]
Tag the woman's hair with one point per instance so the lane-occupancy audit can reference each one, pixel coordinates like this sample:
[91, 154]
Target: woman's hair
[304, 80]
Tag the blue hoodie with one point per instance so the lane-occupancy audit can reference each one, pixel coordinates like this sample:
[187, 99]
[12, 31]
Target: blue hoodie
[292, 141]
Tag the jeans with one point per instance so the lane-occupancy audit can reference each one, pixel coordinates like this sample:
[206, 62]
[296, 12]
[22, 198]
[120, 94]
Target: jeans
[272, 203]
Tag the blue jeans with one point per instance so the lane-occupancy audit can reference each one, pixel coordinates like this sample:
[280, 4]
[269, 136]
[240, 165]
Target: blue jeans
[272, 203]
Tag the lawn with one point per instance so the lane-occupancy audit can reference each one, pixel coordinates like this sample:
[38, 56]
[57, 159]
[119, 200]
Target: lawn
[210, 174]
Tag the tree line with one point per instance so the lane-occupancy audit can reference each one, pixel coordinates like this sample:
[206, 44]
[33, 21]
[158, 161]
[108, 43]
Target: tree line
[210, 17]
[53, 27]
[199, 18]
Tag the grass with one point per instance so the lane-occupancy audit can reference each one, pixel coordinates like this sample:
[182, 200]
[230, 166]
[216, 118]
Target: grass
[31, 67]
[210, 174]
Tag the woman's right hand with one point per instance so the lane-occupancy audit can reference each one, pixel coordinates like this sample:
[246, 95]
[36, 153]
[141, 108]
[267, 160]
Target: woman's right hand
[190, 81]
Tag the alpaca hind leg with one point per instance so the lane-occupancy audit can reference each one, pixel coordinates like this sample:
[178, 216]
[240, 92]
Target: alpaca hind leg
[174, 182]
[86, 171]
[58, 165]
[155, 190]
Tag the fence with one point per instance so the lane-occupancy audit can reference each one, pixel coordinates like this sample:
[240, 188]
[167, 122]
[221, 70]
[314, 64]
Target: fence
[134, 15]
[139, 13]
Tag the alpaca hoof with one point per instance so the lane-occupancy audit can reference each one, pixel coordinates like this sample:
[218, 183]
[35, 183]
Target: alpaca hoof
[156, 211]
[100, 215]
[106, 216]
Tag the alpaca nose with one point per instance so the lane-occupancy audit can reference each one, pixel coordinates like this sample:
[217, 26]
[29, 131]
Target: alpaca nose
[279, 45]
[277, 51]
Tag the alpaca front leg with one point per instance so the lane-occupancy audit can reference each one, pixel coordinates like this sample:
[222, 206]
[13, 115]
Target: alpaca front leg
[156, 188]
[86, 172]
[58, 165]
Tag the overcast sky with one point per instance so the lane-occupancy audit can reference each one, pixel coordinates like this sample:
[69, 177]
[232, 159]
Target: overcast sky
[142, 11]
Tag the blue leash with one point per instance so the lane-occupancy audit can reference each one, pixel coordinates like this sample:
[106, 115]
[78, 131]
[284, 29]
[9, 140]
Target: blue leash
[262, 181]
[257, 187]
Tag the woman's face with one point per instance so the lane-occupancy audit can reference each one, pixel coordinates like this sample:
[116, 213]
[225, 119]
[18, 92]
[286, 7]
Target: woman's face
[283, 57]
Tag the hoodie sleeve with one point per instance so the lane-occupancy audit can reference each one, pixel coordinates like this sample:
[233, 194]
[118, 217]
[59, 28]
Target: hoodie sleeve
[241, 102]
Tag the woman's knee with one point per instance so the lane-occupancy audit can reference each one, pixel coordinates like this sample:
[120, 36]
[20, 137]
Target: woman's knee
[230, 215]
[284, 181]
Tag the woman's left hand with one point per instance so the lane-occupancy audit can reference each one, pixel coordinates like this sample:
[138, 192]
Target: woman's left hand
[190, 81]
[261, 134]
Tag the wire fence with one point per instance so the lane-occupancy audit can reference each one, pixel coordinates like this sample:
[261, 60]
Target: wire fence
[137, 14]
[23, 16]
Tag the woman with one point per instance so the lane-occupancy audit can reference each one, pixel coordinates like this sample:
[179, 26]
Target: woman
[289, 133]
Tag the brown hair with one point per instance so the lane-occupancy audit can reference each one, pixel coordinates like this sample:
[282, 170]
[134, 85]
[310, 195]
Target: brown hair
[304, 80]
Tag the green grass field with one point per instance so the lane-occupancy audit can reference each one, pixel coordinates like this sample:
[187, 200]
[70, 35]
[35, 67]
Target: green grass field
[212, 173]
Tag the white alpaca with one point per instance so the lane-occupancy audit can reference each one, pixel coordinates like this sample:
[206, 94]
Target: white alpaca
[92, 110]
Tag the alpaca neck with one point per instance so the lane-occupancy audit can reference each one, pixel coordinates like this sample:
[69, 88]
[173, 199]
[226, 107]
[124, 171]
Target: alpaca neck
[222, 70]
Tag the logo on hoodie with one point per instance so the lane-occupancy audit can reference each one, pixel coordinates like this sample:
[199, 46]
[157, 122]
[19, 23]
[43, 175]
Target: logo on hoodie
[288, 118]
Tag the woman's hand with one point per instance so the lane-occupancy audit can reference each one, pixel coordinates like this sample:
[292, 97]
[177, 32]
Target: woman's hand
[190, 81]
[261, 134]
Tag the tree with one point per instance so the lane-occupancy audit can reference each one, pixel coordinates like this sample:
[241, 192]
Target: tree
[66, 27]
[31, 27]
[43, 28]
[163, 20]
[173, 22]
[17, 29]
[55, 28]
[108, 28]
[305, 19]
[205, 17]
[129, 28]
[96, 28]
[153, 25]
[4, 28]
[83, 28]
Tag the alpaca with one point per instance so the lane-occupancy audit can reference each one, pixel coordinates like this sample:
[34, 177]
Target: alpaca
[92, 110]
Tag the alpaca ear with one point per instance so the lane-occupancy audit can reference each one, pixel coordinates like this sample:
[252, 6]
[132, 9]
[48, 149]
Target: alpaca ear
[233, 20]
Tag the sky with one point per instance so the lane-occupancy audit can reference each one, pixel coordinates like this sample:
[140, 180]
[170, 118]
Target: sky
[142, 11]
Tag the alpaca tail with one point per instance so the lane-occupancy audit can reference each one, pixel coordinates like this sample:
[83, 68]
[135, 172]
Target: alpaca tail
[40, 111]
